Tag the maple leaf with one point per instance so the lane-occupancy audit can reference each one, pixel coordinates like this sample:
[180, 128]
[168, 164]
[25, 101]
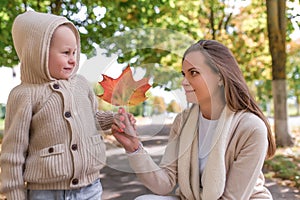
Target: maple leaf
[124, 90]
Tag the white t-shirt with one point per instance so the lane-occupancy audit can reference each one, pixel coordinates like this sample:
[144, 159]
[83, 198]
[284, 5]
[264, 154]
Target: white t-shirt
[206, 133]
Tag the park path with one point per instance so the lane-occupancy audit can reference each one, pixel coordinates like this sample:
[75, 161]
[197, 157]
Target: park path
[120, 183]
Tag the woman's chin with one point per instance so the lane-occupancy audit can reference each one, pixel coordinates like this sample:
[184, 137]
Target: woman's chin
[191, 100]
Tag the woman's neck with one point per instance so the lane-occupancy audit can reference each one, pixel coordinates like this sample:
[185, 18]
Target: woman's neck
[212, 110]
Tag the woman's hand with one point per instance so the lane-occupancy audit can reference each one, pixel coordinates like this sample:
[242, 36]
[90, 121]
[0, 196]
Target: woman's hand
[124, 130]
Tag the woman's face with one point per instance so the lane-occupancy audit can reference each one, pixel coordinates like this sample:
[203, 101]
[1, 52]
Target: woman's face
[200, 81]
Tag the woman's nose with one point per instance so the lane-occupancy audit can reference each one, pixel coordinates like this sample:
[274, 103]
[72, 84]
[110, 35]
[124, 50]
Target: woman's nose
[184, 82]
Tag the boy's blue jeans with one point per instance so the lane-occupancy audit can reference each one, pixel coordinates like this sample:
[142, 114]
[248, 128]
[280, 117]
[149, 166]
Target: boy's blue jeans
[90, 192]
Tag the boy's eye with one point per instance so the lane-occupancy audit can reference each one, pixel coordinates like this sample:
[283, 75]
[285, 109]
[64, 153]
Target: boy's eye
[69, 52]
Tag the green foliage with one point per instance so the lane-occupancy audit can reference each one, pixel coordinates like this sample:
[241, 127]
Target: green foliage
[285, 167]
[153, 34]
[2, 111]
[8, 10]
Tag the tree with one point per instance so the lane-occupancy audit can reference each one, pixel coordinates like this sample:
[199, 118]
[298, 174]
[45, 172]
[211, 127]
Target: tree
[159, 105]
[152, 34]
[276, 22]
[8, 55]
[174, 107]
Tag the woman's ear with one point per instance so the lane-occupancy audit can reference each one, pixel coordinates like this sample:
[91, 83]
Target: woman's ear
[220, 83]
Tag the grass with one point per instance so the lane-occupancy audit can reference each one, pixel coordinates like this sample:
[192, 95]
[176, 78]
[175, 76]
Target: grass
[285, 165]
[284, 168]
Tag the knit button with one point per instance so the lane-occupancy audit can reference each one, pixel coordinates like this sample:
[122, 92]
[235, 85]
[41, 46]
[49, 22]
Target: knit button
[75, 181]
[56, 86]
[67, 114]
[51, 150]
[74, 147]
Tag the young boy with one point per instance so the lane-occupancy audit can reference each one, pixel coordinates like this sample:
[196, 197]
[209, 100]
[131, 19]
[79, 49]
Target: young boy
[51, 148]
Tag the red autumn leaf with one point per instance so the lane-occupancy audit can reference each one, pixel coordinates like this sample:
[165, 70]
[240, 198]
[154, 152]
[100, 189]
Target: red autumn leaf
[124, 90]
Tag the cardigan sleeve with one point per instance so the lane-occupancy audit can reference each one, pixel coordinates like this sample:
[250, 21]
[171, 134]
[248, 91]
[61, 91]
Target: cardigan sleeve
[15, 143]
[163, 178]
[105, 119]
[245, 171]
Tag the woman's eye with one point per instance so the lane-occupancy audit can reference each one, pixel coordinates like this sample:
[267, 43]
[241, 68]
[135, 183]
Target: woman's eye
[194, 73]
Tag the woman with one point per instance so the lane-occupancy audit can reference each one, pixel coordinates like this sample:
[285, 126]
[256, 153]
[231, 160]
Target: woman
[217, 147]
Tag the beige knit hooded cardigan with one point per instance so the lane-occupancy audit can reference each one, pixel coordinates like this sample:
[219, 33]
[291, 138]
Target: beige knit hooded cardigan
[51, 137]
[233, 169]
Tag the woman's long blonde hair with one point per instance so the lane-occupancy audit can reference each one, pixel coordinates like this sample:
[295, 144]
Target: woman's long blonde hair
[237, 94]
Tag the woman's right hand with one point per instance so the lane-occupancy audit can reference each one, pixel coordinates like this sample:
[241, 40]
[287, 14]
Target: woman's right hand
[124, 130]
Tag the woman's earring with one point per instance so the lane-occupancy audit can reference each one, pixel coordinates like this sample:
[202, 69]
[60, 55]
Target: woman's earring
[220, 84]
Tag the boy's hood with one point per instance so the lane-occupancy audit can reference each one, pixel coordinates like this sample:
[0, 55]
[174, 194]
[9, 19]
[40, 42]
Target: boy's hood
[32, 32]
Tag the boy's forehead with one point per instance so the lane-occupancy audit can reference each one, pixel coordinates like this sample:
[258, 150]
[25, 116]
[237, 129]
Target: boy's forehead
[62, 31]
[64, 28]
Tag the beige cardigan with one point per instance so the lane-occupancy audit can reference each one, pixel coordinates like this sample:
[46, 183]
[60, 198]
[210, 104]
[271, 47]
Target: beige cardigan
[233, 170]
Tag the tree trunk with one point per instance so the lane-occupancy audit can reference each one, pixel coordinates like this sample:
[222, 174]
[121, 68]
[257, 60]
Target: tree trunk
[283, 137]
[277, 33]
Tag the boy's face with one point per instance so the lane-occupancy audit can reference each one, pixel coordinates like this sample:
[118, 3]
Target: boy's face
[62, 53]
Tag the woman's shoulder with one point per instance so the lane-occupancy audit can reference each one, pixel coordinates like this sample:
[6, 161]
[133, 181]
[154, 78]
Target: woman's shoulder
[251, 124]
[251, 119]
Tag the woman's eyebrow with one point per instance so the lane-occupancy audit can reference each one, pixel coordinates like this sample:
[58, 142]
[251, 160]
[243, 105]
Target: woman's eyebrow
[192, 68]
